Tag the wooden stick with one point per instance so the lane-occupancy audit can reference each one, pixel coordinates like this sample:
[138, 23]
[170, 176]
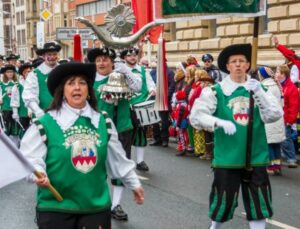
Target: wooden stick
[54, 192]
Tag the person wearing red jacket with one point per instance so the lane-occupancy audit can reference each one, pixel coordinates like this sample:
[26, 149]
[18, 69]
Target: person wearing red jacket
[290, 55]
[290, 108]
[181, 113]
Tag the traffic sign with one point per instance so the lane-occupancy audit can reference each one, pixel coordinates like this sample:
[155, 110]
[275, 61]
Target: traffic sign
[67, 33]
[45, 14]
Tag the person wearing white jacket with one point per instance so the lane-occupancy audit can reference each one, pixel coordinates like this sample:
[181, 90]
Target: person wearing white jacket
[275, 131]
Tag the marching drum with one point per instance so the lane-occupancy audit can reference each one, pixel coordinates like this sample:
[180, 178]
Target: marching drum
[145, 113]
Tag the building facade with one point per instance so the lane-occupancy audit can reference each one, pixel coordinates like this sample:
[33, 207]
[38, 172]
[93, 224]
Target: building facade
[183, 38]
[211, 36]
[20, 28]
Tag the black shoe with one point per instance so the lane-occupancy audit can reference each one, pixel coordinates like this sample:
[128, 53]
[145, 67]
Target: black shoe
[142, 166]
[118, 213]
[156, 143]
[165, 144]
[182, 153]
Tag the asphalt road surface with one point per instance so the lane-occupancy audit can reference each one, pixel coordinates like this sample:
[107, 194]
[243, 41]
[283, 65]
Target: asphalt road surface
[176, 196]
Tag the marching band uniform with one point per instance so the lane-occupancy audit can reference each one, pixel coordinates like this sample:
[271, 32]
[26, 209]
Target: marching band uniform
[120, 114]
[20, 111]
[78, 148]
[224, 109]
[36, 95]
[11, 126]
[139, 136]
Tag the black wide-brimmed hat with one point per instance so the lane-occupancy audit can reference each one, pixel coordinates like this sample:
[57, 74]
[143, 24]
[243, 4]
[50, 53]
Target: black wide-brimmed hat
[236, 49]
[63, 71]
[51, 46]
[12, 57]
[23, 67]
[94, 53]
[128, 52]
[8, 67]
[36, 62]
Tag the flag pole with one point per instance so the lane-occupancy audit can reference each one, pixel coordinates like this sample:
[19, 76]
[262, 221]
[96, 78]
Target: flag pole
[248, 167]
[26, 163]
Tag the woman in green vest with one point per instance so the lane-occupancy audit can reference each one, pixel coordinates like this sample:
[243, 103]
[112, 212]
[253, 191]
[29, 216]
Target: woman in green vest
[8, 81]
[76, 148]
[20, 112]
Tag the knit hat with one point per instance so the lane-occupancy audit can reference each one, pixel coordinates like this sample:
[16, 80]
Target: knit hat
[180, 95]
[265, 72]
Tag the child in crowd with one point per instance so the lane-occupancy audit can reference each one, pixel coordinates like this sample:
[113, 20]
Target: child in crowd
[180, 115]
[275, 131]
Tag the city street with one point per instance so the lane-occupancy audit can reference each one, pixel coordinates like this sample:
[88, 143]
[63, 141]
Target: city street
[176, 196]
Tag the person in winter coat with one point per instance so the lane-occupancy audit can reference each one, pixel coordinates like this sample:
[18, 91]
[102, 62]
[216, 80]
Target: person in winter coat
[275, 131]
[290, 109]
[212, 70]
[181, 118]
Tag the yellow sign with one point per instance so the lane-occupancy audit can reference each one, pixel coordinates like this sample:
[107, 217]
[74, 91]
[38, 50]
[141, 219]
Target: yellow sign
[45, 14]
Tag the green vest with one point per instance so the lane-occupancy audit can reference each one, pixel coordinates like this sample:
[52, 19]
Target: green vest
[6, 95]
[120, 114]
[23, 112]
[230, 150]
[75, 164]
[143, 94]
[45, 97]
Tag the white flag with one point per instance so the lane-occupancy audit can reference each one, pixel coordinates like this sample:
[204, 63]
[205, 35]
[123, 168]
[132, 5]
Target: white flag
[13, 165]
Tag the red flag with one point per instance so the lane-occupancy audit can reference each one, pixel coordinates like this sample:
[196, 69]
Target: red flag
[77, 54]
[161, 98]
[143, 12]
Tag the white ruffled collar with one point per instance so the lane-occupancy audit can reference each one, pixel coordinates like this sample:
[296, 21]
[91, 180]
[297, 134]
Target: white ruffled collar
[67, 115]
[45, 69]
[99, 77]
[229, 86]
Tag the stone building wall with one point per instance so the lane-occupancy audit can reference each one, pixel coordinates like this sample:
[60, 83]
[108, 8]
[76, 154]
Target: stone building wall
[194, 37]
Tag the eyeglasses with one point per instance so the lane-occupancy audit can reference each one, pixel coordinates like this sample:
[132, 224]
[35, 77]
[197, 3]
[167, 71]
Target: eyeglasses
[207, 61]
[238, 61]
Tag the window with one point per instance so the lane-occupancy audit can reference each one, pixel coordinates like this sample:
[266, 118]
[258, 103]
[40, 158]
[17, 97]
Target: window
[18, 3]
[263, 23]
[22, 17]
[23, 37]
[34, 9]
[19, 37]
[34, 28]
[212, 28]
[28, 30]
[65, 21]
[94, 8]
[18, 18]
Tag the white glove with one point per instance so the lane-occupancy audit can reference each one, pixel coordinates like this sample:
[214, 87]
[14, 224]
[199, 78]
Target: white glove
[39, 113]
[228, 126]
[122, 68]
[16, 117]
[253, 85]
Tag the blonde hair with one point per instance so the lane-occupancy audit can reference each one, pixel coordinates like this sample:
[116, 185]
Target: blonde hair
[201, 74]
[190, 70]
[284, 69]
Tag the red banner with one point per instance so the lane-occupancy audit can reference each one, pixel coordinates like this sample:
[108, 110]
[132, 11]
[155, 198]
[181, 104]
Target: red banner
[144, 14]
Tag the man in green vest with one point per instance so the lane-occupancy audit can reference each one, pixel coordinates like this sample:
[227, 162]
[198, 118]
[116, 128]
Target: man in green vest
[224, 108]
[36, 95]
[120, 113]
[148, 90]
